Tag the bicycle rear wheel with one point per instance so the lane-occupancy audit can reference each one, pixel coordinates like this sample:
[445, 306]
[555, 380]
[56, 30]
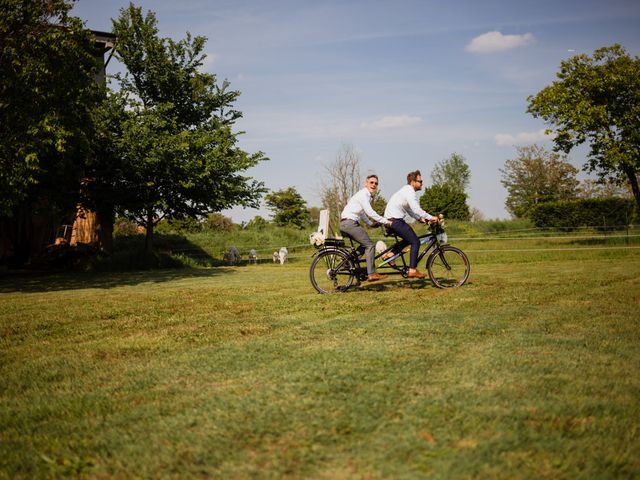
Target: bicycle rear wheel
[448, 267]
[331, 272]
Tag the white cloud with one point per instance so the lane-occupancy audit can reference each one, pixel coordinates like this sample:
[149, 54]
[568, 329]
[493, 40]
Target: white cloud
[506, 139]
[399, 121]
[209, 61]
[497, 42]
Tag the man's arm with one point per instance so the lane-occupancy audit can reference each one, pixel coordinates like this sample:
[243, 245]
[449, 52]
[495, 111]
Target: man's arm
[414, 209]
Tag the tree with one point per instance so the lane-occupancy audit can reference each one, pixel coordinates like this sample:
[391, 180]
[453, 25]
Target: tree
[452, 171]
[171, 130]
[537, 176]
[447, 195]
[289, 208]
[219, 223]
[597, 100]
[590, 188]
[447, 200]
[46, 96]
[343, 179]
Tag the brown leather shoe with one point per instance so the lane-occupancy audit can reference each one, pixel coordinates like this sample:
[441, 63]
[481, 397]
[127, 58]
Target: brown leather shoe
[416, 274]
[375, 276]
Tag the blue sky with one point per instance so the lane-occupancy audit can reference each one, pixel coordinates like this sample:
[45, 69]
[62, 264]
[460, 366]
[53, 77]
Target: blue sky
[406, 82]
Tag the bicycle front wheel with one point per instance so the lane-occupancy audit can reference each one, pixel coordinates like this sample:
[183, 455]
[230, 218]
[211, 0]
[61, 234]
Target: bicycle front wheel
[448, 267]
[331, 272]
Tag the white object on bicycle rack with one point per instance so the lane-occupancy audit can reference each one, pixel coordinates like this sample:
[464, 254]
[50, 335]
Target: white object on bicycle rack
[318, 238]
[380, 247]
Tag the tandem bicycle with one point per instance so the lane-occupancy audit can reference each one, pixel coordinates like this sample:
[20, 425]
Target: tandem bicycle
[337, 266]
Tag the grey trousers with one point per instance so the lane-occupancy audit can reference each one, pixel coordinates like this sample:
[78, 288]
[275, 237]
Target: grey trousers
[353, 230]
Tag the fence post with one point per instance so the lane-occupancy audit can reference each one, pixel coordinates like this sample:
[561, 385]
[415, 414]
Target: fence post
[626, 218]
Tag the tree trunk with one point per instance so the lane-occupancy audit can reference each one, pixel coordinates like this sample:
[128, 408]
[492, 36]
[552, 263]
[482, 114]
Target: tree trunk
[633, 180]
[105, 232]
[148, 240]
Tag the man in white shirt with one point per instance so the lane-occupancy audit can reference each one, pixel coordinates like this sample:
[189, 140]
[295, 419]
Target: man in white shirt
[359, 209]
[405, 202]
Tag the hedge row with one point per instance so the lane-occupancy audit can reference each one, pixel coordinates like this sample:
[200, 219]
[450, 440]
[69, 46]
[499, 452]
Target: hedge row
[602, 213]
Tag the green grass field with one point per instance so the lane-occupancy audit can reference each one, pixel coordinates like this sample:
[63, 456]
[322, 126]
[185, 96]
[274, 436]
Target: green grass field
[531, 370]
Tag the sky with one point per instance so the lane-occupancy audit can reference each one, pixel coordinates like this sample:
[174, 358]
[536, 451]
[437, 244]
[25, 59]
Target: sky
[406, 83]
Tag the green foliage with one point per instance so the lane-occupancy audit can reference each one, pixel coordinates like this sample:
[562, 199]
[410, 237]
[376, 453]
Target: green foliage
[536, 176]
[606, 213]
[288, 207]
[124, 227]
[452, 171]
[172, 129]
[256, 223]
[443, 199]
[219, 223]
[597, 100]
[47, 92]
[179, 225]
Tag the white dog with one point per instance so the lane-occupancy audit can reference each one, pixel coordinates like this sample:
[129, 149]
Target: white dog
[283, 255]
[253, 255]
[276, 257]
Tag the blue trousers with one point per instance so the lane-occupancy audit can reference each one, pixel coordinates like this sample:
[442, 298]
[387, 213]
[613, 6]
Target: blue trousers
[409, 237]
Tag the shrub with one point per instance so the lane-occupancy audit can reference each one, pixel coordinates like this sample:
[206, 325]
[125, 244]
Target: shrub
[443, 199]
[602, 213]
[219, 223]
[123, 226]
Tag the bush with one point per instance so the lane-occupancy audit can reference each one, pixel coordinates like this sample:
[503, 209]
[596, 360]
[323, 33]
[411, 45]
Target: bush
[219, 223]
[445, 200]
[123, 226]
[179, 225]
[602, 213]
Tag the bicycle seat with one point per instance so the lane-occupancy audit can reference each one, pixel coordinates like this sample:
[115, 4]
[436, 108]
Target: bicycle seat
[388, 232]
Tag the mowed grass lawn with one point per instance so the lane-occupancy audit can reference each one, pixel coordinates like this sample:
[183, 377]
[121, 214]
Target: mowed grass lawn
[531, 370]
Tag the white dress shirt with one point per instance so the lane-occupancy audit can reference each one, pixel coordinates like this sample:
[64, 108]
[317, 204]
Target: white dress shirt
[405, 202]
[359, 208]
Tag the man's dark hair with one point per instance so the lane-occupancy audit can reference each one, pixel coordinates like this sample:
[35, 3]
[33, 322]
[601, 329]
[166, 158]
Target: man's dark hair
[411, 176]
[372, 175]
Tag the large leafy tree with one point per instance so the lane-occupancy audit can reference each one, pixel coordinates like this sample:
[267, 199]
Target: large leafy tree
[537, 176]
[171, 130]
[47, 92]
[597, 100]
[447, 195]
[289, 208]
[452, 171]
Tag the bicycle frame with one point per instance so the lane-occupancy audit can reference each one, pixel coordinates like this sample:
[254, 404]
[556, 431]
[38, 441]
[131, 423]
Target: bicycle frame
[429, 240]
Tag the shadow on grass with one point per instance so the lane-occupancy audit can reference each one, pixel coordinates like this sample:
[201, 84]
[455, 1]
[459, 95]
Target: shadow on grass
[396, 284]
[32, 282]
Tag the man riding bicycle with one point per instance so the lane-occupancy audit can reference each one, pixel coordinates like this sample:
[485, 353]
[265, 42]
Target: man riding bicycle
[404, 202]
[359, 208]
